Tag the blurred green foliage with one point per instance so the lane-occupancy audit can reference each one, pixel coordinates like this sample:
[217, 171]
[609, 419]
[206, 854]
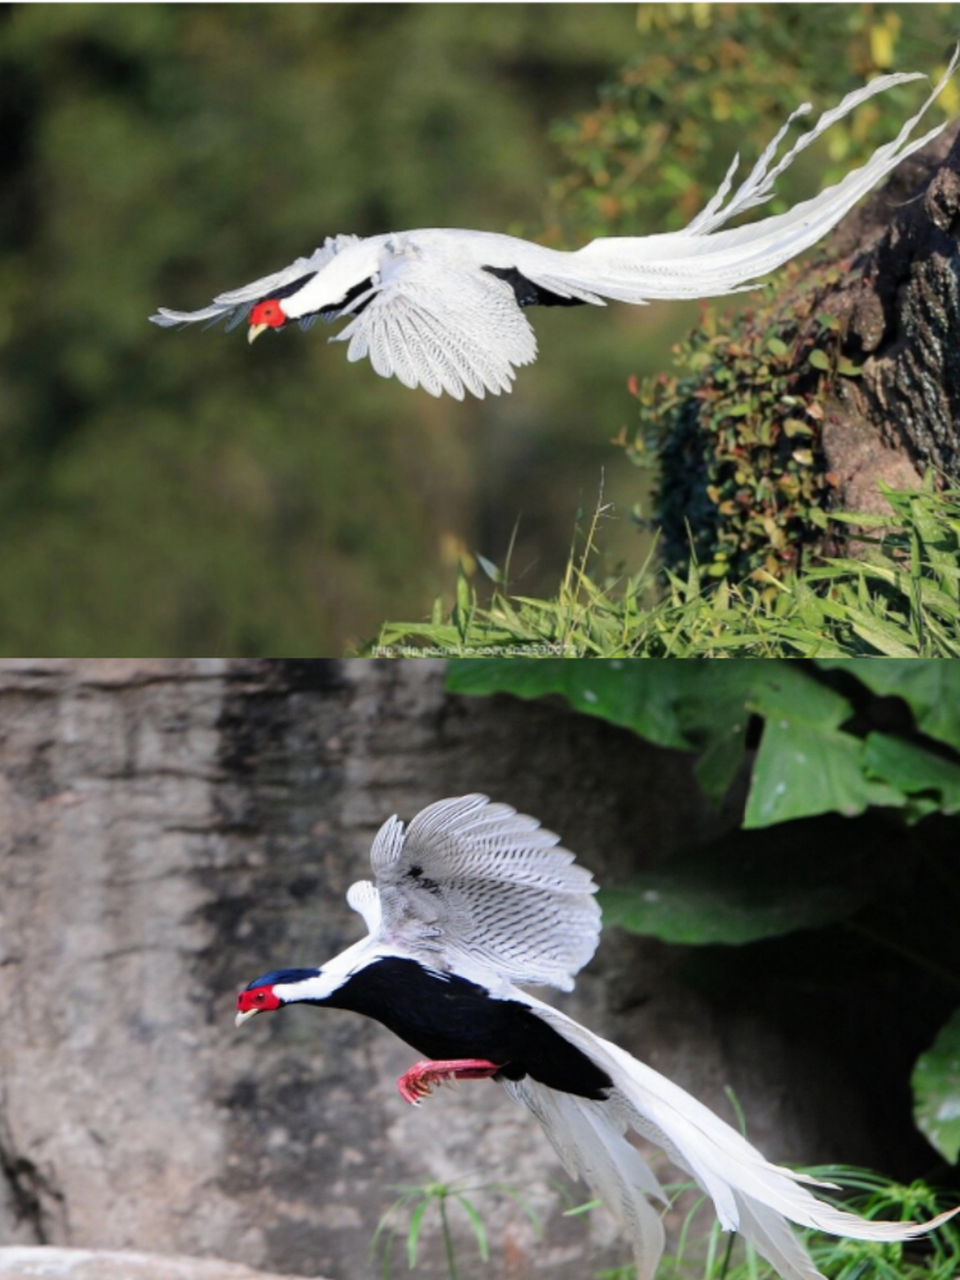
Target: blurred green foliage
[714, 80]
[178, 493]
[172, 493]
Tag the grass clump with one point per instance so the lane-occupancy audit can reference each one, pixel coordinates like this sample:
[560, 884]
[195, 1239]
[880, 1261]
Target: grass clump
[725, 1257]
[898, 597]
[697, 1254]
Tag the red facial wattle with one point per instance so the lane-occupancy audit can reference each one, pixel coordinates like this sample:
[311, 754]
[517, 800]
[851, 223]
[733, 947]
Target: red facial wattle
[266, 315]
[259, 1000]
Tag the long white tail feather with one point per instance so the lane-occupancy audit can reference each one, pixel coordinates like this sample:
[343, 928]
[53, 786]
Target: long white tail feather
[591, 1146]
[702, 261]
[750, 1194]
[771, 1236]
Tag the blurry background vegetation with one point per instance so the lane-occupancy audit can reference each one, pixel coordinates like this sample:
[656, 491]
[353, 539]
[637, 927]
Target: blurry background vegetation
[178, 493]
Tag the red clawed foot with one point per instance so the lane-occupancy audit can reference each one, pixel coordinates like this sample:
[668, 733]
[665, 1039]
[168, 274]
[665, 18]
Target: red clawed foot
[420, 1081]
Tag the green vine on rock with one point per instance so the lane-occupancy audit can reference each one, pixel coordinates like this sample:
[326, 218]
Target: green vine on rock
[736, 434]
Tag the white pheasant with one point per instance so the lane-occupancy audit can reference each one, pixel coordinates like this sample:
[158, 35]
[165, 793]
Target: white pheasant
[443, 308]
[472, 899]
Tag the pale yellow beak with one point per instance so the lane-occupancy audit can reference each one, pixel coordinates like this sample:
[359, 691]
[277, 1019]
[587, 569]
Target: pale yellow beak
[241, 1018]
[255, 331]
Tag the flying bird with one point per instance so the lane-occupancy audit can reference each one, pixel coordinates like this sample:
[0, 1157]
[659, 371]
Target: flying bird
[444, 309]
[471, 901]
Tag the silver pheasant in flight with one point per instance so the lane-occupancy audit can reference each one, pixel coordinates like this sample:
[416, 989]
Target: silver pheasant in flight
[443, 308]
[473, 901]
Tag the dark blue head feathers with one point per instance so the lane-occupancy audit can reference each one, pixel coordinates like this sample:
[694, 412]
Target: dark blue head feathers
[281, 975]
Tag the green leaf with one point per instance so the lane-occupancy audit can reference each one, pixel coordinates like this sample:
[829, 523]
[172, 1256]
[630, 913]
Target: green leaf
[476, 1222]
[913, 769]
[803, 768]
[737, 889]
[806, 764]
[819, 359]
[586, 1207]
[637, 695]
[936, 1091]
[413, 1231]
[796, 427]
[931, 689]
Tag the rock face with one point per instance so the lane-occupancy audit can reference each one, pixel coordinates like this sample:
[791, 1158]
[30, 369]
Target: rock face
[170, 830]
[45, 1263]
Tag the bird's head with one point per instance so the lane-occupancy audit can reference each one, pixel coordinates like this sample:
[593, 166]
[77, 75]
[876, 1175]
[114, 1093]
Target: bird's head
[282, 986]
[348, 276]
[268, 314]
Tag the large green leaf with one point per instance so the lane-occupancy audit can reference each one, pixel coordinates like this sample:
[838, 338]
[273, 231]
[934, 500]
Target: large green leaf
[932, 781]
[745, 886]
[931, 689]
[638, 695]
[807, 763]
[686, 705]
[804, 768]
[936, 1091]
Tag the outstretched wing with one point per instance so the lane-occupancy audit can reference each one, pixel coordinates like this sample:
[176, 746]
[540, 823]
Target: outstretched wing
[236, 305]
[474, 881]
[442, 325]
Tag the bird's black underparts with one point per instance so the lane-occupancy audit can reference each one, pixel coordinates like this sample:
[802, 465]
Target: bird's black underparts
[444, 1016]
[529, 294]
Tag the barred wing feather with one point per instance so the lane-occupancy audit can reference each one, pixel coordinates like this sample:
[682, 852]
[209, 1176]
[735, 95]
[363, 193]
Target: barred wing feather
[443, 327]
[475, 882]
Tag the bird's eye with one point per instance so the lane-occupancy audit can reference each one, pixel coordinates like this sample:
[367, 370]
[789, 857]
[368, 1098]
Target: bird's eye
[260, 998]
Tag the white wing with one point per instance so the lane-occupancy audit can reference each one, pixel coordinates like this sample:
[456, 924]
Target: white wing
[236, 305]
[750, 1194]
[471, 884]
[442, 324]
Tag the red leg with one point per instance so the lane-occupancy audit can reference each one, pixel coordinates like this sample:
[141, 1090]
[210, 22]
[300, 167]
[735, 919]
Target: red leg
[420, 1080]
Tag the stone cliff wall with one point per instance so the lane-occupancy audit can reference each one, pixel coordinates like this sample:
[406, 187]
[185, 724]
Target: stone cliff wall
[169, 830]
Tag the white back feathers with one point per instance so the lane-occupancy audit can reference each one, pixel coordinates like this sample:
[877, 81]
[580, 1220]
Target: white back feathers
[441, 309]
[475, 884]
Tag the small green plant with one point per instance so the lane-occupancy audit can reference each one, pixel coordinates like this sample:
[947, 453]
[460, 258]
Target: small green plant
[936, 1257]
[899, 599]
[721, 1256]
[406, 1217]
[714, 1255]
[735, 434]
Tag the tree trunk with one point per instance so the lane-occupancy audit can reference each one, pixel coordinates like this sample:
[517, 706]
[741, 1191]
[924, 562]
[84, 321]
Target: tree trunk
[900, 307]
[807, 399]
